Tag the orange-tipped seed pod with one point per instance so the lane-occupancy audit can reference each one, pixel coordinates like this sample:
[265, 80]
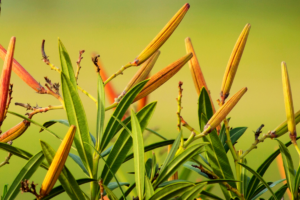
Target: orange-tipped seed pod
[14, 132]
[233, 62]
[221, 114]
[143, 71]
[5, 77]
[23, 74]
[163, 75]
[58, 162]
[162, 36]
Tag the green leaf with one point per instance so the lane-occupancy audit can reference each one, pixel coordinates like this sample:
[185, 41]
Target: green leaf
[171, 191]
[297, 183]
[210, 195]
[189, 165]
[148, 167]
[149, 191]
[156, 133]
[66, 179]
[193, 193]
[264, 189]
[64, 122]
[174, 164]
[19, 152]
[100, 111]
[131, 187]
[218, 158]
[151, 147]
[59, 189]
[76, 116]
[26, 172]
[124, 143]
[261, 171]
[288, 165]
[185, 173]
[280, 192]
[260, 178]
[235, 134]
[114, 185]
[138, 150]
[154, 166]
[119, 112]
[109, 193]
[4, 191]
[66, 64]
[215, 151]
[79, 162]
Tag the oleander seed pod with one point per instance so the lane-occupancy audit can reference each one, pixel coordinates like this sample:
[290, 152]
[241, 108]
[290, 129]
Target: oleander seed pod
[163, 76]
[221, 114]
[58, 162]
[233, 62]
[162, 36]
[14, 132]
[288, 100]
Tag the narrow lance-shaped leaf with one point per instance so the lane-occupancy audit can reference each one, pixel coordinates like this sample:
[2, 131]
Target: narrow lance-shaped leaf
[138, 149]
[233, 62]
[58, 162]
[163, 76]
[26, 172]
[162, 36]
[5, 77]
[76, 116]
[100, 112]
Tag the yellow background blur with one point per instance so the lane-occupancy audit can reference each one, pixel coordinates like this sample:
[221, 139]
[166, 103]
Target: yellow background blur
[119, 30]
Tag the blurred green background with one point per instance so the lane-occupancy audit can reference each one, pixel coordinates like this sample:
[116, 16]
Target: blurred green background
[119, 30]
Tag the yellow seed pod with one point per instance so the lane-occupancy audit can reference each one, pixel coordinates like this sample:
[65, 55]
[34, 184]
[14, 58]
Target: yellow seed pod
[283, 128]
[58, 162]
[162, 36]
[221, 114]
[14, 132]
[288, 100]
[233, 62]
[163, 76]
[143, 71]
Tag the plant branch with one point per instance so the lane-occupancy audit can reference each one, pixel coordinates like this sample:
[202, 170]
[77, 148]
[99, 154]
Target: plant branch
[37, 109]
[10, 90]
[212, 175]
[123, 68]
[78, 64]
[31, 188]
[6, 161]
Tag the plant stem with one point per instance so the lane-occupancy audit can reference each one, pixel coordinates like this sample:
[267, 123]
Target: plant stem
[87, 94]
[254, 145]
[111, 106]
[118, 73]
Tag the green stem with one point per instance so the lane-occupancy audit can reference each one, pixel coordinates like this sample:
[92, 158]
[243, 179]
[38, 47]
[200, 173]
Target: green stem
[111, 106]
[117, 73]
[254, 145]
[94, 184]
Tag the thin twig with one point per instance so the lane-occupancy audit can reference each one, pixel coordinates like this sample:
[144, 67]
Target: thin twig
[8, 99]
[78, 64]
[101, 189]
[31, 188]
[119, 72]
[179, 105]
[45, 58]
[212, 175]
[37, 109]
[6, 161]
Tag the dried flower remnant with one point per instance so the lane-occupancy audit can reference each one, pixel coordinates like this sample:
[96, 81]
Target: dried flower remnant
[162, 36]
[233, 63]
[23, 74]
[58, 163]
[221, 114]
[163, 76]
[5, 78]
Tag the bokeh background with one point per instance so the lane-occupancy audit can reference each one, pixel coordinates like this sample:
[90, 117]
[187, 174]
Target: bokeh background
[119, 30]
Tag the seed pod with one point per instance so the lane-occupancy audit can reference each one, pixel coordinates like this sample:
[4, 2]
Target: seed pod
[288, 100]
[283, 127]
[14, 132]
[143, 71]
[142, 103]
[23, 74]
[233, 62]
[221, 114]
[163, 75]
[58, 162]
[5, 77]
[162, 36]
